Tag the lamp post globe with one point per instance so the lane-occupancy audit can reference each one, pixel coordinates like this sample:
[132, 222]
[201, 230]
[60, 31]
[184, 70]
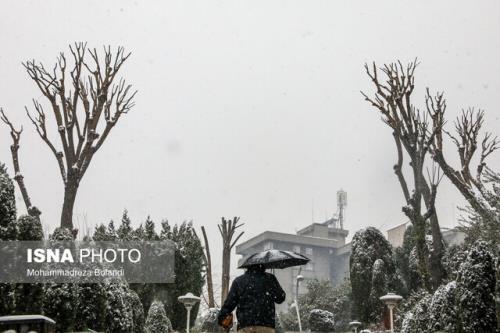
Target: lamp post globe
[189, 300]
[355, 324]
[391, 300]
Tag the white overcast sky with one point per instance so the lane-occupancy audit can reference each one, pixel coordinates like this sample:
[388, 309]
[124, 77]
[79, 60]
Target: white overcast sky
[249, 108]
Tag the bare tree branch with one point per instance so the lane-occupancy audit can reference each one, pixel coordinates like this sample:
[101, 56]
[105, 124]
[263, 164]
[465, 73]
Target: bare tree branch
[86, 99]
[18, 176]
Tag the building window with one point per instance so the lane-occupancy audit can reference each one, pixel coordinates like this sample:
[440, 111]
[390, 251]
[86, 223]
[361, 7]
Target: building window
[296, 248]
[268, 246]
[309, 251]
[309, 266]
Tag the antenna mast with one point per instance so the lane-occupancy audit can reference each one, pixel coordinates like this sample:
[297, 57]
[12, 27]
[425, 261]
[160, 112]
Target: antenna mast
[341, 204]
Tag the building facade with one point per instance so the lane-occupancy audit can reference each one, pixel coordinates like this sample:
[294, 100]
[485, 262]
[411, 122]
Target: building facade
[323, 243]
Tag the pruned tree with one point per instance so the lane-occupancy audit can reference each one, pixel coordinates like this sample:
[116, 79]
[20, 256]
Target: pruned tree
[86, 99]
[413, 134]
[18, 176]
[208, 270]
[227, 229]
[472, 146]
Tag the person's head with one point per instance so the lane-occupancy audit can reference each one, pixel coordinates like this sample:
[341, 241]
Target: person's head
[256, 268]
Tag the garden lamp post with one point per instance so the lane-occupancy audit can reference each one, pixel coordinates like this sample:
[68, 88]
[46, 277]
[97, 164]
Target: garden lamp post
[299, 279]
[391, 300]
[189, 300]
[355, 324]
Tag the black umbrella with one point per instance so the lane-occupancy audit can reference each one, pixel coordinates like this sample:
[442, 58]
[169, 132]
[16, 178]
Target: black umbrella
[271, 259]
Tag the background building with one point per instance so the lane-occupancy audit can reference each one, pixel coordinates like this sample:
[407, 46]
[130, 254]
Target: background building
[324, 243]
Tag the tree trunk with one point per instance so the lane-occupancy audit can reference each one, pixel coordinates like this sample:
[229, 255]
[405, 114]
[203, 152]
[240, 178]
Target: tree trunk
[70, 191]
[226, 264]
[436, 269]
[210, 284]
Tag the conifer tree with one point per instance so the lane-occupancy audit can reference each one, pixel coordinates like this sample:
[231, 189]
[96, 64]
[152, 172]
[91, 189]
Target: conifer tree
[59, 304]
[91, 307]
[125, 230]
[149, 230]
[7, 232]
[119, 317]
[476, 281]
[111, 231]
[368, 246]
[157, 321]
[7, 206]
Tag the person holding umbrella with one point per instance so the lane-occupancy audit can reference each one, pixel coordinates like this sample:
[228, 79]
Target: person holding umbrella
[255, 293]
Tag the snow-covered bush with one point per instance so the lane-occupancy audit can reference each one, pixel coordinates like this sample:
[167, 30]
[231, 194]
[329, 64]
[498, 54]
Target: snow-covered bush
[61, 234]
[91, 307]
[379, 288]
[368, 246]
[119, 315]
[476, 280]
[59, 304]
[417, 319]
[29, 228]
[443, 312]
[209, 321]
[455, 255]
[278, 327]
[137, 311]
[157, 321]
[7, 206]
[7, 297]
[321, 321]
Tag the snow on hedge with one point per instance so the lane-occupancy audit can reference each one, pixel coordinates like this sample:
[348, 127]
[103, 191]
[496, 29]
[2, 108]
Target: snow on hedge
[321, 321]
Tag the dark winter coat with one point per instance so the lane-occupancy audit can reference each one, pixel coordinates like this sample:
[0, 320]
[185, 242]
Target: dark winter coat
[253, 294]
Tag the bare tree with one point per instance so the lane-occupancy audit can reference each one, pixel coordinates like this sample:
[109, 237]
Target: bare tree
[208, 268]
[470, 147]
[227, 230]
[413, 135]
[18, 176]
[86, 101]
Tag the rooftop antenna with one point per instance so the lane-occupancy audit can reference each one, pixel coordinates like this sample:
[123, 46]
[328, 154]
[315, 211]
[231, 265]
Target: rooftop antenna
[341, 204]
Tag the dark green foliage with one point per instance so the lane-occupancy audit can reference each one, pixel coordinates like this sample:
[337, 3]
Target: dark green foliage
[59, 304]
[29, 228]
[7, 298]
[138, 234]
[61, 234]
[485, 226]
[149, 230]
[103, 233]
[417, 319]
[455, 256]
[278, 326]
[111, 231]
[137, 311]
[119, 315]
[188, 268]
[321, 295]
[91, 307]
[7, 206]
[369, 245]
[466, 305]
[443, 312]
[125, 230]
[476, 282]
[321, 321]
[379, 288]
[29, 298]
[406, 263]
[157, 321]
